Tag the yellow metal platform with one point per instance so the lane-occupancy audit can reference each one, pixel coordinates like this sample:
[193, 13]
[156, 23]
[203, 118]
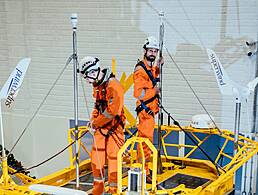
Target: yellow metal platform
[181, 174]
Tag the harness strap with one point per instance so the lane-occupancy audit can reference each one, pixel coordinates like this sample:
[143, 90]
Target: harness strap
[149, 73]
[113, 128]
[143, 106]
[101, 103]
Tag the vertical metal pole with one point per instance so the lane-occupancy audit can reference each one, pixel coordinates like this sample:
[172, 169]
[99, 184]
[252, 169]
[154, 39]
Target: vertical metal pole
[236, 135]
[255, 126]
[4, 177]
[159, 167]
[251, 177]
[245, 176]
[2, 132]
[75, 97]
[237, 125]
[160, 115]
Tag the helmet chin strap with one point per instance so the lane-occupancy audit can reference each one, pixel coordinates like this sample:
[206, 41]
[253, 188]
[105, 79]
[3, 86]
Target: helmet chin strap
[99, 81]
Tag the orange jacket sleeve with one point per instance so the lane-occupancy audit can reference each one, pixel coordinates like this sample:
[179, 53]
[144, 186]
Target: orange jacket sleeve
[143, 88]
[115, 103]
[94, 112]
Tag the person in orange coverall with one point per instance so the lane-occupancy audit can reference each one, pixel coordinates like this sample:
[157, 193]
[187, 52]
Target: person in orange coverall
[146, 91]
[107, 122]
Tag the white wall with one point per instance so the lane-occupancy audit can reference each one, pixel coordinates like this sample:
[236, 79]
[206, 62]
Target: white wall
[42, 30]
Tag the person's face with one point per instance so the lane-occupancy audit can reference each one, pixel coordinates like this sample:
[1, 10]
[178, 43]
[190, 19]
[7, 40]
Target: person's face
[151, 54]
[91, 76]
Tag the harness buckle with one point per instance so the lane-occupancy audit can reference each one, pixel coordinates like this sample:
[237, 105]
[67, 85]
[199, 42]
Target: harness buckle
[150, 112]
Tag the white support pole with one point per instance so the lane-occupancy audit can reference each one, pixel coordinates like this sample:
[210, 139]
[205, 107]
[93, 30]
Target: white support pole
[160, 114]
[5, 177]
[255, 130]
[236, 136]
[237, 124]
[2, 132]
[75, 79]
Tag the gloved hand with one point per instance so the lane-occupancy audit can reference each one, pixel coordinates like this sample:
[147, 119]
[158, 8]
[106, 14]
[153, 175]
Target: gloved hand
[160, 62]
[94, 114]
[157, 90]
[90, 128]
[93, 124]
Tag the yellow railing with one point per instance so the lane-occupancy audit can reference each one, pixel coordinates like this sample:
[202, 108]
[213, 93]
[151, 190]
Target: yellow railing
[247, 148]
[83, 130]
[130, 143]
[245, 145]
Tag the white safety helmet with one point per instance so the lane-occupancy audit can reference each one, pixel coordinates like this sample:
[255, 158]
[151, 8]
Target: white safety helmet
[89, 63]
[151, 42]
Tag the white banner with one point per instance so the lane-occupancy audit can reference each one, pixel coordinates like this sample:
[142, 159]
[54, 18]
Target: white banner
[224, 83]
[11, 87]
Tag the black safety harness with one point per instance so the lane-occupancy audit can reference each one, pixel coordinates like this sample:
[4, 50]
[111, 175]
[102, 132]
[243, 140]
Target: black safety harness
[118, 122]
[101, 105]
[143, 105]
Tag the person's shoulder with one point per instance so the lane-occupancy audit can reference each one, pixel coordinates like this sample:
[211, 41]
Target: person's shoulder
[113, 82]
[138, 66]
[115, 85]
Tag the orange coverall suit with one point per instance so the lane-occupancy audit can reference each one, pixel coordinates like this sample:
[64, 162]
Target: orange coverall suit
[144, 90]
[107, 120]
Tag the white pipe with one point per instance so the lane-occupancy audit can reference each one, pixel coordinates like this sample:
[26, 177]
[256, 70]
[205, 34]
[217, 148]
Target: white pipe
[2, 132]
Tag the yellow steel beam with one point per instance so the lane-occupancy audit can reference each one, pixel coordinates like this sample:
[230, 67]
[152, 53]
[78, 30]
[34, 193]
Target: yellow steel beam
[221, 151]
[64, 176]
[197, 146]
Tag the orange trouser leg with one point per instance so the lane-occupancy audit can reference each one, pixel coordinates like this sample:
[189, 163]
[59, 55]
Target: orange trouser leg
[98, 183]
[98, 156]
[146, 130]
[114, 143]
